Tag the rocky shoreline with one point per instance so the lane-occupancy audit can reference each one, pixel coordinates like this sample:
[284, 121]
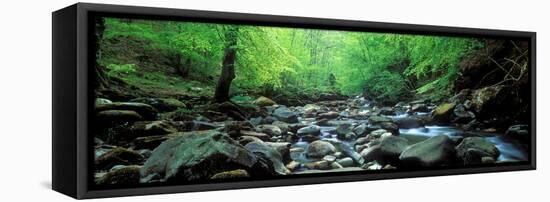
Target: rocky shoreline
[149, 140]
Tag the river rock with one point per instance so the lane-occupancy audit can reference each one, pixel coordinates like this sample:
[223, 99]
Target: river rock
[435, 151]
[244, 140]
[346, 162]
[271, 130]
[284, 114]
[261, 136]
[309, 130]
[264, 101]
[388, 111]
[443, 112]
[519, 132]
[162, 104]
[102, 101]
[328, 115]
[387, 152]
[318, 165]
[485, 99]
[344, 128]
[409, 122]
[347, 137]
[420, 107]
[472, 149]
[263, 150]
[390, 127]
[293, 165]
[462, 115]
[149, 128]
[283, 148]
[232, 174]
[377, 133]
[193, 156]
[126, 175]
[378, 119]
[144, 110]
[107, 116]
[117, 156]
[319, 149]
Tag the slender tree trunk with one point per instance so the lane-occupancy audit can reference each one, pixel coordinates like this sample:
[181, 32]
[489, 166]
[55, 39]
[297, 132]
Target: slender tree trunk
[101, 81]
[228, 65]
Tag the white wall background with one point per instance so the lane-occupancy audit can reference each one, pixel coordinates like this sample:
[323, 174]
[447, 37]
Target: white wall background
[25, 105]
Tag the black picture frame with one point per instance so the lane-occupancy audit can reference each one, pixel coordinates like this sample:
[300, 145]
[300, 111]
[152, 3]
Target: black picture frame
[71, 97]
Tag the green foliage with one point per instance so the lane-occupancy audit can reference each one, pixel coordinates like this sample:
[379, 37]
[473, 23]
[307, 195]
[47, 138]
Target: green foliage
[114, 69]
[284, 61]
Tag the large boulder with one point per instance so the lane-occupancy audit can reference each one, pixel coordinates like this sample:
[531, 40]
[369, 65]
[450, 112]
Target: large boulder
[378, 119]
[435, 151]
[162, 104]
[263, 150]
[387, 152]
[116, 116]
[462, 115]
[144, 110]
[472, 149]
[485, 99]
[264, 101]
[443, 112]
[194, 156]
[319, 149]
[284, 114]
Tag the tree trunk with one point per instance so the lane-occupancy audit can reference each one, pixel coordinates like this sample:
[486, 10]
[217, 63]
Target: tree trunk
[228, 65]
[101, 81]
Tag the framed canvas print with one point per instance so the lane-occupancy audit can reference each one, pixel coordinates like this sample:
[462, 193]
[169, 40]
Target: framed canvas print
[155, 100]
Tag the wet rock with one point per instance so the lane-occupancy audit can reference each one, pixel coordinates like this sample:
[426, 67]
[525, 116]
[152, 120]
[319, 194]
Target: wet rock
[421, 107]
[271, 130]
[264, 101]
[344, 128]
[194, 156]
[233, 174]
[311, 108]
[268, 120]
[126, 175]
[162, 104]
[409, 122]
[309, 130]
[483, 100]
[361, 130]
[293, 165]
[102, 101]
[283, 148]
[462, 115]
[244, 140]
[108, 116]
[285, 115]
[144, 110]
[329, 158]
[318, 165]
[117, 156]
[472, 149]
[519, 132]
[378, 133]
[261, 136]
[347, 137]
[328, 115]
[387, 152]
[319, 149]
[346, 162]
[285, 127]
[148, 128]
[273, 156]
[373, 165]
[435, 151]
[443, 112]
[310, 138]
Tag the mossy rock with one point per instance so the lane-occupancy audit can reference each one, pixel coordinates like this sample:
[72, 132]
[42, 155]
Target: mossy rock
[264, 101]
[232, 174]
[162, 104]
[127, 175]
[443, 112]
